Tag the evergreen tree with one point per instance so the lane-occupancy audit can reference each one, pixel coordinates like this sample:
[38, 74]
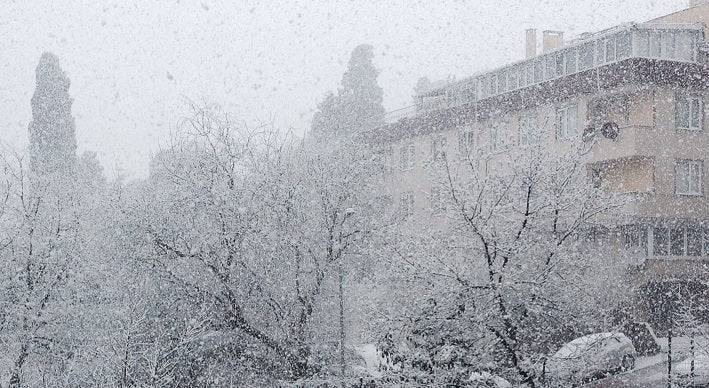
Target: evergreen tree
[52, 130]
[358, 103]
[361, 96]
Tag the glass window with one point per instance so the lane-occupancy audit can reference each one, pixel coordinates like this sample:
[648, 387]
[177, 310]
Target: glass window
[550, 62]
[438, 203]
[683, 46]
[660, 241]
[493, 85]
[407, 157]
[406, 204]
[528, 129]
[567, 122]
[586, 56]
[694, 241]
[655, 44]
[623, 45]
[600, 52]
[635, 239]
[530, 74]
[466, 140]
[642, 44]
[514, 79]
[570, 59]
[495, 137]
[668, 44]
[610, 49]
[502, 87]
[438, 148]
[677, 241]
[560, 68]
[538, 71]
[688, 177]
[689, 112]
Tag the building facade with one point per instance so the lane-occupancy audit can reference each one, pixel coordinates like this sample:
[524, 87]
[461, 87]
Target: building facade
[633, 97]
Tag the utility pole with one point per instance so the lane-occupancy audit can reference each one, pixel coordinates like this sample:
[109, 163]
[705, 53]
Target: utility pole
[342, 323]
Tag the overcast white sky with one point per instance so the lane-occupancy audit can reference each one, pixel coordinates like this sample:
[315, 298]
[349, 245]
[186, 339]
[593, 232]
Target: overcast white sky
[259, 59]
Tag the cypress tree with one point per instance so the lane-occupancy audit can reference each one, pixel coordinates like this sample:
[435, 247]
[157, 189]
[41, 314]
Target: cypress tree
[52, 130]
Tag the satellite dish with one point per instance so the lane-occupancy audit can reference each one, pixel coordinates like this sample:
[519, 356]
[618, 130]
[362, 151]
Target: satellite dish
[588, 134]
[610, 130]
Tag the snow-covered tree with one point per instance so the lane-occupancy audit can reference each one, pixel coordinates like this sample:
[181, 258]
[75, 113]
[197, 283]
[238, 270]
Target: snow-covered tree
[358, 103]
[52, 132]
[503, 281]
[251, 227]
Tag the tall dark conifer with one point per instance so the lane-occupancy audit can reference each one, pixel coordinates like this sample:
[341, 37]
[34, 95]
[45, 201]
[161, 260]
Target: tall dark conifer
[358, 103]
[52, 130]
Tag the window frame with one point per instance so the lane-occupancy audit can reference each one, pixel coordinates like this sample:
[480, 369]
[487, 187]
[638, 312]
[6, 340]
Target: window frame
[562, 122]
[693, 106]
[689, 163]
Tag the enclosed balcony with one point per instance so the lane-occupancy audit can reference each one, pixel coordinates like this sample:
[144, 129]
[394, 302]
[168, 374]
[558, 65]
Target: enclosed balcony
[660, 41]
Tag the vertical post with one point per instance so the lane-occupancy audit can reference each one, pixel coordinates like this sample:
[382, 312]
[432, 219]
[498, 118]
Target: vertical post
[342, 323]
[691, 351]
[669, 358]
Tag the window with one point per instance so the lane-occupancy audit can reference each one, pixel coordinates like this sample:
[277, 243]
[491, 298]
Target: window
[677, 241]
[694, 241]
[680, 240]
[684, 44]
[498, 138]
[513, 82]
[688, 177]
[567, 122]
[655, 44]
[610, 49]
[466, 140]
[528, 130]
[623, 45]
[385, 157]
[600, 51]
[383, 204]
[661, 241]
[642, 44]
[689, 112]
[635, 239]
[406, 204]
[438, 203]
[438, 149]
[538, 71]
[570, 61]
[407, 157]
[550, 62]
[586, 56]
[668, 44]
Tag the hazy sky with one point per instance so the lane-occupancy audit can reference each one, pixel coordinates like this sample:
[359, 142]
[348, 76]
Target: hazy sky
[133, 64]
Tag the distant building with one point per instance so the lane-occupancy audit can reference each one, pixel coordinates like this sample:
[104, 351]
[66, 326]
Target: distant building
[650, 79]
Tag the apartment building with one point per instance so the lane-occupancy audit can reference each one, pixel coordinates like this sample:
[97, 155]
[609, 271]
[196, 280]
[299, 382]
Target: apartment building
[636, 94]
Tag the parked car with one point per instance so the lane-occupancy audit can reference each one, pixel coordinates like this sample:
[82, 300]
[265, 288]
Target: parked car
[590, 357]
[697, 378]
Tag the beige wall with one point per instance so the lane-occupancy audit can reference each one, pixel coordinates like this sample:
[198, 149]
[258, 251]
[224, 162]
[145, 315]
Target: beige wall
[698, 14]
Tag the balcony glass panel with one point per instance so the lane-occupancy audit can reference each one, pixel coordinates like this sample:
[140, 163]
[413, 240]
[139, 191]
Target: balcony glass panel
[668, 44]
[586, 56]
[642, 44]
[623, 45]
[570, 60]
